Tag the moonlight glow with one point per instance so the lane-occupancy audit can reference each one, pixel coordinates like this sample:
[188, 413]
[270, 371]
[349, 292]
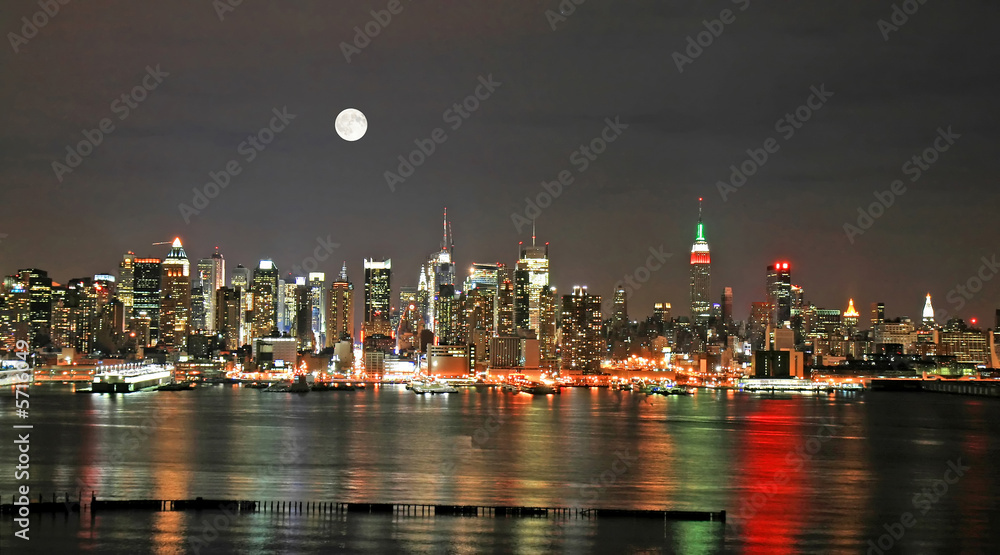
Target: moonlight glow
[351, 124]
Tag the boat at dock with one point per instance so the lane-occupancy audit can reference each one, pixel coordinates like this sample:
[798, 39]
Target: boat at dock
[431, 386]
[540, 388]
[176, 386]
[333, 386]
[300, 386]
[128, 378]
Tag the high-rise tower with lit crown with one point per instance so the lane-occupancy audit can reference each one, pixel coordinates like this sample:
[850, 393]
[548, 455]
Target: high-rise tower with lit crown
[779, 293]
[928, 315]
[531, 277]
[701, 275]
[340, 316]
[175, 297]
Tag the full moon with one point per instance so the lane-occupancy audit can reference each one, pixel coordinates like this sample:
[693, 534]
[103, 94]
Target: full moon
[351, 124]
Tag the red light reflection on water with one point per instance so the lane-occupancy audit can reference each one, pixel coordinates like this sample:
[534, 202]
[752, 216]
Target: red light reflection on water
[773, 454]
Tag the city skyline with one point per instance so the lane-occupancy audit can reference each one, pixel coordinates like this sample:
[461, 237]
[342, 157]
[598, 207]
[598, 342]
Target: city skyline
[679, 144]
[742, 311]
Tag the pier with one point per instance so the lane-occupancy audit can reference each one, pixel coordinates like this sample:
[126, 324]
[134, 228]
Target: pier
[980, 388]
[339, 508]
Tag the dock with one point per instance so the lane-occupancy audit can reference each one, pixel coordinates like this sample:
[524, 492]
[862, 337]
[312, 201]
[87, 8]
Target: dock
[980, 388]
[340, 508]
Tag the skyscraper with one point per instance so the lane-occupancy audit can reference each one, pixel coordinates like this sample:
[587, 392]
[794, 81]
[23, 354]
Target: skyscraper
[878, 314]
[264, 291]
[581, 331]
[378, 291]
[727, 306]
[779, 293]
[439, 276]
[505, 303]
[303, 315]
[126, 282]
[175, 297]
[39, 287]
[701, 275]
[148, 274]
[209, 278]
[340, 319]
[227, 316]
[240, 282]
[850, 318]
[317, 307]
[531, 276]
[548, 306]
[928, 314]
[286, 304]
[760, 319]
[661, 312]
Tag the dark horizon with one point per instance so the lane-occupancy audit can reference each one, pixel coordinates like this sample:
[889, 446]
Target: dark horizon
[557, 89]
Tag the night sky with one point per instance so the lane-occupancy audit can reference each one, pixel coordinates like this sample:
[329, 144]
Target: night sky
[606, 59]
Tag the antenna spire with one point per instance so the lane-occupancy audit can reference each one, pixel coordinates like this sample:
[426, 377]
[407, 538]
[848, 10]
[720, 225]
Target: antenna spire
[444, 242]
[532, 232]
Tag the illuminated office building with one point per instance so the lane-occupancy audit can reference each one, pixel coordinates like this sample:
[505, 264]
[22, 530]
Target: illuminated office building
[340, 317]
[779, 293]
[175, 297]
[701, 275]
[264, 301]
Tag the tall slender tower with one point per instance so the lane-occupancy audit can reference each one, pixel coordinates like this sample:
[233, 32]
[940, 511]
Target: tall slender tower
[264, 291]
[531, 277]
[928, 315]
[701, 275]
[779, 293]
[378, 301]
[240, 282]
[340, 318]
[175, 297]
[440, 281]
[126, 282]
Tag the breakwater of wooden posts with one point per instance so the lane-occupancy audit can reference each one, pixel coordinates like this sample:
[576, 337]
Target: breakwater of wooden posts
[980, 388]
[336, 508]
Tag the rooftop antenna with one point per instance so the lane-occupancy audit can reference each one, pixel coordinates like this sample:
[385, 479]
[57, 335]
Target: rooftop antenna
[532, 232]
[444, 242]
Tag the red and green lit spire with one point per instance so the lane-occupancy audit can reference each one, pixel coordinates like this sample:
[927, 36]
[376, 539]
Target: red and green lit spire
[699, 251]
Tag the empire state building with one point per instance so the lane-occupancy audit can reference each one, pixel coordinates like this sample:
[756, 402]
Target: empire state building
[701, 275]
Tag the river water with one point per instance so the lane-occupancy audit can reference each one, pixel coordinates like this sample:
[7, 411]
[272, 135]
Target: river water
[907, 472]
